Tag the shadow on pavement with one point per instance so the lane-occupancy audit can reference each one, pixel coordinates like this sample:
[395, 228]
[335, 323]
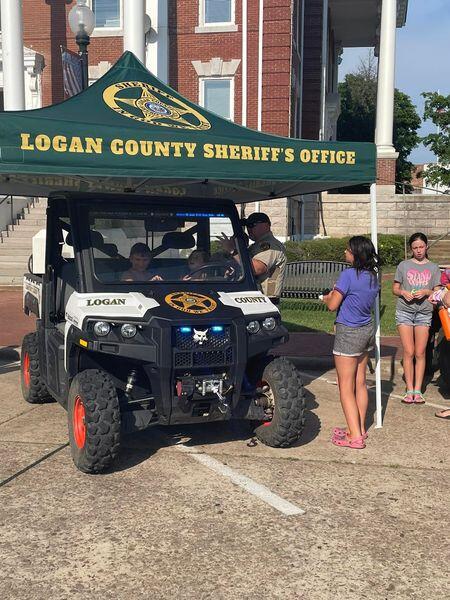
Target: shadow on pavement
[140, 446]
[9, 360]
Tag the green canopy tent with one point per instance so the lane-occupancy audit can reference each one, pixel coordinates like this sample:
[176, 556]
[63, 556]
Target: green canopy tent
[129, 132]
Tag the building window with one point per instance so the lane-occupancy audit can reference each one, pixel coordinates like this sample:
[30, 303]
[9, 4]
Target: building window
[216, 16]
[107, 13]
[217, 95]
[217, 11]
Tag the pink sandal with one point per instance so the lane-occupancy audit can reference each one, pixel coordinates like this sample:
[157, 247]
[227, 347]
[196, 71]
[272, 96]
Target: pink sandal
[408, 398]
[341, 432]
[418, 397]
[346, 442]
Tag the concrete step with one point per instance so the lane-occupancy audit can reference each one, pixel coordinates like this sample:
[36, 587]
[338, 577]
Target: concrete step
[7, 250]
[39, 223]
[13, 271]
[26, 225]
[14, 258]
[18, 265]
[17, 243]
[35, 213]
[22, 233]
[441, 244]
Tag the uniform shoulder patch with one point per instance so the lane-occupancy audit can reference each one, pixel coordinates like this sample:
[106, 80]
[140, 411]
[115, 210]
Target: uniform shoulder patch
[264, 246]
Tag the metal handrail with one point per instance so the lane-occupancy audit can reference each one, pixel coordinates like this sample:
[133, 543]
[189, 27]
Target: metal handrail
[5, 198]
[14, 219]
[438, 239]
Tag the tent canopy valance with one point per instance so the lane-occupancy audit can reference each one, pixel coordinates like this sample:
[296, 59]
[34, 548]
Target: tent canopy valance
[129, 132]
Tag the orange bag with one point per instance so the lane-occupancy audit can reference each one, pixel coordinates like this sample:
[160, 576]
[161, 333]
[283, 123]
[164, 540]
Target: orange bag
[445, 322]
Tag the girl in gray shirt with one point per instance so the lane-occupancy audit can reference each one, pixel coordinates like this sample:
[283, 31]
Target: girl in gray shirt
[414, 282]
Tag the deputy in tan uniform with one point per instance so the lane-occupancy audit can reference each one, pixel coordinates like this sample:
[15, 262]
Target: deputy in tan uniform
[268, 255]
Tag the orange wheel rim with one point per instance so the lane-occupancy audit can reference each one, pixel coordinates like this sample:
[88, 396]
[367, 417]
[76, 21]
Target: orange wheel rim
[79, 424]
[26, 369]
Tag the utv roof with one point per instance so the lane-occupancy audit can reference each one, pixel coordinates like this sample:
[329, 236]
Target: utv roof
[131, 133]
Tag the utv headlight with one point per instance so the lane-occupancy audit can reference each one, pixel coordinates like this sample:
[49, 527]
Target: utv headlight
[253, 327]
[128, 330]
[101, 328]
[269, 324]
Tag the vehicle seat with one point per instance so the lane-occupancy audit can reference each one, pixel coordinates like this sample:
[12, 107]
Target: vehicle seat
[178, 240]
[66, 284]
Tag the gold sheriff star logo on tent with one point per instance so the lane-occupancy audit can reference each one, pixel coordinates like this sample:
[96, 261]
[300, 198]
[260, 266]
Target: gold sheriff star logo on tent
[146, 103]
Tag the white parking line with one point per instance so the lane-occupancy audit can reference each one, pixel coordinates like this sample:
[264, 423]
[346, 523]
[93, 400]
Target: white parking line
[250, 486]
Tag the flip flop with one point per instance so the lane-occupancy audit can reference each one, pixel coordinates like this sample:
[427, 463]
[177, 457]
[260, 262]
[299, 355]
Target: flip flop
[341, 432]
[418, 397]
[408, 398]
[440, 414]
[346, 442]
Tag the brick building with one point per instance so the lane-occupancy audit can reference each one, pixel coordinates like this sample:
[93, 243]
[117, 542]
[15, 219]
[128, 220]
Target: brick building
[267, 64]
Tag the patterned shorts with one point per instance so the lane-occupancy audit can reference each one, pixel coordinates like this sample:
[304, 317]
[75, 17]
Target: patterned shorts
[418, 318]
[353, 341]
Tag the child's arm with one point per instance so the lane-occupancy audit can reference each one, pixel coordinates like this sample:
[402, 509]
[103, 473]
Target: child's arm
[333, 300]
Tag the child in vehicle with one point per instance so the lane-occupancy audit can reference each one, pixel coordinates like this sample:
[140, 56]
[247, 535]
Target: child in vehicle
[140, 257]
[197, 259]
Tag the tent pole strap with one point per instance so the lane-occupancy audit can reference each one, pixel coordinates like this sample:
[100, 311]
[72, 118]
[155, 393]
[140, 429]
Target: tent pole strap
[374, 235]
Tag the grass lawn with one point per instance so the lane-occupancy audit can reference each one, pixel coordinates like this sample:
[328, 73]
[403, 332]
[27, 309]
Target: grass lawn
[313, 315]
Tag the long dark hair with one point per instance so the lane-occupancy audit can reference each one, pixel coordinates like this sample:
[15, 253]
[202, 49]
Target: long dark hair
[364, 256]
[418, 236]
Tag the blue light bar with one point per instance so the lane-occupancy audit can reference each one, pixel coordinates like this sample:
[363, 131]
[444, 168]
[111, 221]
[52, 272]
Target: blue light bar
[185, 329]
[217, 328]
[199, 214]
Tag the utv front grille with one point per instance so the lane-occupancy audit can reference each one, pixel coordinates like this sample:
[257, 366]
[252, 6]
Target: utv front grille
[213, 339]
[207, 358]
[207, 348]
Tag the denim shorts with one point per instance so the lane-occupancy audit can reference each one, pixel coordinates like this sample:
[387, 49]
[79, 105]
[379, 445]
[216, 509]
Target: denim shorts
[416, 318]
[353, 341]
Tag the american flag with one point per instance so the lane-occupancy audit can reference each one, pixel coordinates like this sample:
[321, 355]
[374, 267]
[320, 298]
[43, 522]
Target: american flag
[72, 72]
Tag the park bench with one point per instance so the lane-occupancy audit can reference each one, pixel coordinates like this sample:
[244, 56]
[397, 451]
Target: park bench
[310, 278]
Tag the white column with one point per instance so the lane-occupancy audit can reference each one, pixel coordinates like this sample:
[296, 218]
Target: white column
[324, 67]
[374, 236]
[386, 74]
[133, 27]
[244, 64]
[158, 40]
[12, 50]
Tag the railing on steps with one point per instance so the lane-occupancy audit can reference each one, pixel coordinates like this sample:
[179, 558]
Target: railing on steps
[438, 239]
[18, 216]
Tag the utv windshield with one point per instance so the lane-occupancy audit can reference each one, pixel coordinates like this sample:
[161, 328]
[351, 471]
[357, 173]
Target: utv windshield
[141, 246]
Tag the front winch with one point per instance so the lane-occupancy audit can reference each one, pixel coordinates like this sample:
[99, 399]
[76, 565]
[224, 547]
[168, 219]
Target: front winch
[186, 387]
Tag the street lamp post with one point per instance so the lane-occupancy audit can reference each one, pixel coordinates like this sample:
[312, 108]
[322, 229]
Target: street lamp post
[82, 23]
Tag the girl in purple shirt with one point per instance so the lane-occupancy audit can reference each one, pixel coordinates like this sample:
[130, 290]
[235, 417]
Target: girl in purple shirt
[353, 297]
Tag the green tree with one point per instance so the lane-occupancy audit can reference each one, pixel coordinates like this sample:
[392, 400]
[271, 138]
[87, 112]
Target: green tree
[356, 122]
[437, 109]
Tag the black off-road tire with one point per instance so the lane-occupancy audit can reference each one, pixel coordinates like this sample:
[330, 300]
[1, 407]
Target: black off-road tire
[34, 389]
[288, 420]
[94, 421]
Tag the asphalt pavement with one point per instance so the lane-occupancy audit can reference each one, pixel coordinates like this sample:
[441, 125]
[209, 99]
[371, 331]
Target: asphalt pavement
[198, 513]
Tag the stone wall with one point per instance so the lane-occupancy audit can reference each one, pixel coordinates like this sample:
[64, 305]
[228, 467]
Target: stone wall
[350, 214]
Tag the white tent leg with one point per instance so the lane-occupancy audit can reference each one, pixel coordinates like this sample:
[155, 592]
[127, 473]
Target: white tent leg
[374, 235]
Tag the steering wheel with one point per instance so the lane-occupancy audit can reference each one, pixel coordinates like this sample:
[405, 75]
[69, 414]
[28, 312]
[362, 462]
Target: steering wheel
[230, 269]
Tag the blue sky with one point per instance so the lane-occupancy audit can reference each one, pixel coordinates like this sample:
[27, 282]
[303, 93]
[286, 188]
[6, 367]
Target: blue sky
[422, 58]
